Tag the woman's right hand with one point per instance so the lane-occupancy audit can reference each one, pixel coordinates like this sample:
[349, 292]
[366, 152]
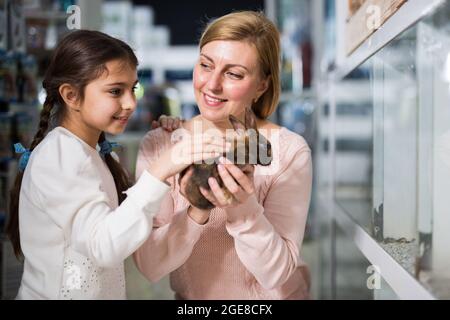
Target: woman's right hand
[183, 153]
[198, 215]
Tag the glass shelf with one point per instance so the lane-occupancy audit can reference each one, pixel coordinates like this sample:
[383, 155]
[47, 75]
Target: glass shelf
[392, 149]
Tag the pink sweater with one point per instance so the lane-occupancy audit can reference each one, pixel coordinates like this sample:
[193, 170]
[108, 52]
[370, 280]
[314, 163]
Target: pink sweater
[255, 254]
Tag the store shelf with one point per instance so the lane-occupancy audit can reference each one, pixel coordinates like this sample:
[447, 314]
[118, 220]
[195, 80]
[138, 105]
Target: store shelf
[411, 12]
[399, 265]
[400, 280]
[45, 15]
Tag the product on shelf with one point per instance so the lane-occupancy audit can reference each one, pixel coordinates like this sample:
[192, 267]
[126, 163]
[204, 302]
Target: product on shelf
[26, 80]
[23, 128]
[17, 27]
[8, 76]
[3, 29]
[5, 135]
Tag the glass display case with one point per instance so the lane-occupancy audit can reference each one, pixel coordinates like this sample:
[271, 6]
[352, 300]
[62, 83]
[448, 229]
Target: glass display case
[390, 166]
[351, 270]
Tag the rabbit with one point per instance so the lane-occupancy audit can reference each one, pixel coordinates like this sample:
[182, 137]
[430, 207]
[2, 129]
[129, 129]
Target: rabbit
[240, 154]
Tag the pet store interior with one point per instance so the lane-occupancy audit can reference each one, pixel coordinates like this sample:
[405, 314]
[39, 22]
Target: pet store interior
[365, 82]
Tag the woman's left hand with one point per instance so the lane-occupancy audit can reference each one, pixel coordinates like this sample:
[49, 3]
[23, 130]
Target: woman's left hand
[238, 181]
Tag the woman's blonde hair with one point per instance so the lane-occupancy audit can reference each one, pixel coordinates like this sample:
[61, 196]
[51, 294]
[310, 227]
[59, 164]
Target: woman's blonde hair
[258, 30]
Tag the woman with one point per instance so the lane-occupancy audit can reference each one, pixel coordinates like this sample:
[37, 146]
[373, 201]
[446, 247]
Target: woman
[247, 248]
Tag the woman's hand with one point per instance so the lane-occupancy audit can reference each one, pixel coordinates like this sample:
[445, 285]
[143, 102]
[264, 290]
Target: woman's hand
[239, 183]
[190, 149]
[167, 123]
[198, 215]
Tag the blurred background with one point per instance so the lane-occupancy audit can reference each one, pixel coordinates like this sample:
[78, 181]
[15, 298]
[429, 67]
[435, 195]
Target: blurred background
[365, 82]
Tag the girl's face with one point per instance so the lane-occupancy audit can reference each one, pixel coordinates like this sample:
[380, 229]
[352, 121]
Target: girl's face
[109, 100]
[227, 79]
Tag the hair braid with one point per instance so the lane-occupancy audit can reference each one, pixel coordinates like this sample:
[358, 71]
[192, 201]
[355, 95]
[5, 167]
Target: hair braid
[12, 227]
[120, 176]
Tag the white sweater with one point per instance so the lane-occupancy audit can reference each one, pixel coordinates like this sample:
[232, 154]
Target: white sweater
[74, 236]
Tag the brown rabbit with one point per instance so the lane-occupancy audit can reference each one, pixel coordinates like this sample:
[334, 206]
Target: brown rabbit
[249, 147]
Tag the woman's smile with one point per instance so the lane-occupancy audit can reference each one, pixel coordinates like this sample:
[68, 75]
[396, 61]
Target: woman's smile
[213, 101]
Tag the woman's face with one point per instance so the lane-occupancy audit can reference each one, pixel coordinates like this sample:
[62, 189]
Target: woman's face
[227, 79]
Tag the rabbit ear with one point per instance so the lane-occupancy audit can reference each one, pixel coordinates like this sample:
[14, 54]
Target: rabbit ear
[250, 119]
[238, 126]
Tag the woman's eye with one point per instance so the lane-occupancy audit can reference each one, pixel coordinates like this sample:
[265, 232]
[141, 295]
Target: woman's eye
[205, 66]
[235, 75]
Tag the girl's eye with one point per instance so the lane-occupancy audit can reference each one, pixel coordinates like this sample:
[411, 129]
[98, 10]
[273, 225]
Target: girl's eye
[134, 88]
[115, 92]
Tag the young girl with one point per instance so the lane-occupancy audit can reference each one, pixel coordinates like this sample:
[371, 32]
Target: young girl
[74, 235]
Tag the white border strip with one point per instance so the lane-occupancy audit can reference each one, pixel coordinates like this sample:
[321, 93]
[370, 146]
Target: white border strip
[400, 280]
[407, 15]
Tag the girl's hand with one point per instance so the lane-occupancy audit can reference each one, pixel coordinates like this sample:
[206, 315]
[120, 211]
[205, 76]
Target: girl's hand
[167, 123]
[192, 148]
[239, 183]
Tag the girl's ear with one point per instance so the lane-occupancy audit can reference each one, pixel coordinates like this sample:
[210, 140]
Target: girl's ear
[70, 96]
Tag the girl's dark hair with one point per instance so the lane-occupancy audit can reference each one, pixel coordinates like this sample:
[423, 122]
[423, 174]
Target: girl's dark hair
[78, 59]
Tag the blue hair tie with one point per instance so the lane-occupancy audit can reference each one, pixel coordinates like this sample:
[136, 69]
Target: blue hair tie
[18, 147]
[107, 147]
